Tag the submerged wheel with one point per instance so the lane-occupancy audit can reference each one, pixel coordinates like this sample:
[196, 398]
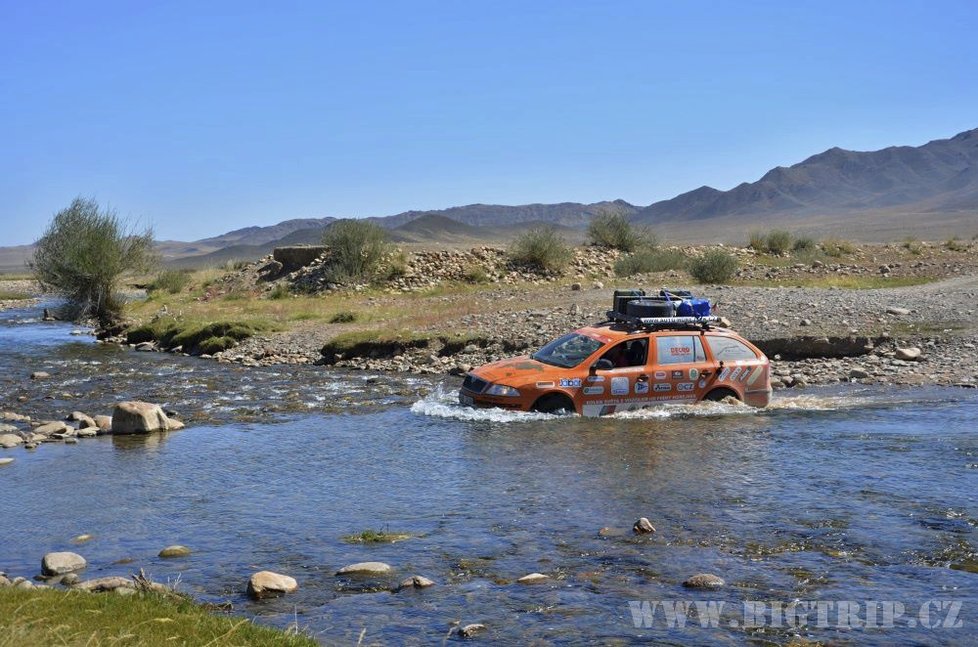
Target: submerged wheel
[719, 394]
[552, 403]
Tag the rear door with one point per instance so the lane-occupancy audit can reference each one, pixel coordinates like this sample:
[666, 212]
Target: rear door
[680, 369]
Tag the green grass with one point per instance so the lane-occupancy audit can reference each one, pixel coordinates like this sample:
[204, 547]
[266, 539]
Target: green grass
[71, 618]
[375, 537]
[195, 337]
[344, 316]
[6, 295]
[652, 260]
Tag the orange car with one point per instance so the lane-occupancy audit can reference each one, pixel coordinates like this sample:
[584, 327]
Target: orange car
[626, 363]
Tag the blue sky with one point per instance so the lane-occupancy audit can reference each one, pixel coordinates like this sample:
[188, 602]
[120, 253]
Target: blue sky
[198, 118]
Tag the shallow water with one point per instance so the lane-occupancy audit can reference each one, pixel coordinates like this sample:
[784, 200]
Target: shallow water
[846, 494]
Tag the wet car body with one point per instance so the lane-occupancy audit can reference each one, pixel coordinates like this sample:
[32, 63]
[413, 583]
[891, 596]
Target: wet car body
[584, 371]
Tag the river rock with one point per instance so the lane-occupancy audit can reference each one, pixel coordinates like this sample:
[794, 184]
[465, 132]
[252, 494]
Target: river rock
[8, 441]
[174, 551]
[40, 375]
[704, 581]
[4, 582]
[51, 428]
[268, 584]
[81, 539]
[643, 526]
[84, 421]
[101, 584]
[472, 629]
[893, 310]
[415, 582]
[6, 461]
[909, 354]
[70, 579]
[858, 374]
[533, 578]
[61, 563]
[7, 429]
[10, 416]
[138, 418]
[104, 423]
[366, 568]
[87, 432]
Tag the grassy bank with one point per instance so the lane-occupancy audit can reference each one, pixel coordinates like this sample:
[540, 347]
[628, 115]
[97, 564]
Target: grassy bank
[7, 295]
[52, 617]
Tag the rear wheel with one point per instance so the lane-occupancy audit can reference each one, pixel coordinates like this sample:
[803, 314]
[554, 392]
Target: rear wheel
[553, 403]
[716, 395]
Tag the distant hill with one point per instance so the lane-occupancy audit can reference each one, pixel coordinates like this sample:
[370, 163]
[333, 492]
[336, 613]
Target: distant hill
[570, 214]
[435, 228]
[896, 188]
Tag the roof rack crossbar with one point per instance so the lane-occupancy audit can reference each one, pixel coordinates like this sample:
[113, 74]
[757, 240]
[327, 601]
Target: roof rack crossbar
[661, 322]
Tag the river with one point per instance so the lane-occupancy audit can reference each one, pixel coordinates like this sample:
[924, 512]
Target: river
[844, 494]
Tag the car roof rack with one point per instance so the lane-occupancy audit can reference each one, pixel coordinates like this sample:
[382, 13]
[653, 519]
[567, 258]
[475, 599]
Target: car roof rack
[662, 323]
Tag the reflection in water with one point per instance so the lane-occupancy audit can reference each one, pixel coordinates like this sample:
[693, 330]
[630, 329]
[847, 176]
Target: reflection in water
[844, 495]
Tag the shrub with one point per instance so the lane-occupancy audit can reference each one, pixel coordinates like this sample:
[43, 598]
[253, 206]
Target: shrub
[645, 261]
[955, 244]
[779, 242]
[235, 265]
[913, 246]
[343, 317]
[837, 247]
[757, 241]
[714, 266]
[613, 230]
[84, 253]
[170, 281]
[541, 248]
[475, 274]
[397, 266]
[804, 244]
[214, 345]
[356, 250]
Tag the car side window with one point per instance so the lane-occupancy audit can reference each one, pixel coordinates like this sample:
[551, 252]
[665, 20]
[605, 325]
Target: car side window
[726, 349]
[679, 349]
[633, 352]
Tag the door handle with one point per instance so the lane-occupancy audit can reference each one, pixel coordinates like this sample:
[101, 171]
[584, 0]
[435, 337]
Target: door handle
[642, 378]
[706, 373]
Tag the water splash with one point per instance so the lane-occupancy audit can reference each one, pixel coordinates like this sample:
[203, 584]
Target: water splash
[444, 404]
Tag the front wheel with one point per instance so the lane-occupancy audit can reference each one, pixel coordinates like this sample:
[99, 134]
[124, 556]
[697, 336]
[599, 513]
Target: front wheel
[553, 403]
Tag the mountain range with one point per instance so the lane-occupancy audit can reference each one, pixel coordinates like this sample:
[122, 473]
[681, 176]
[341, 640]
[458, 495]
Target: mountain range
[929, 191]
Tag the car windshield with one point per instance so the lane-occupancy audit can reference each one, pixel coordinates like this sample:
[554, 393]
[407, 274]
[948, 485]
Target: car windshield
[567, 351]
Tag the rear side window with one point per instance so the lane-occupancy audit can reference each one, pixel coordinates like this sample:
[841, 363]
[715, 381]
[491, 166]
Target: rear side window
[679, 349]
[726, 349]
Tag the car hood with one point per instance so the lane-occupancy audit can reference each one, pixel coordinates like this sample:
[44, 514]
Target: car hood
[514, 371]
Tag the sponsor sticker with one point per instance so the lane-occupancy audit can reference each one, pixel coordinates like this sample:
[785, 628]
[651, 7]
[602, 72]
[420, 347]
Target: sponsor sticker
[694, 373]
[595, 378]
[619, 386]
[684, 386]
[677, 375]
[570, 382]
[663, 387]
[723, 374]
[746, 374]
[736, 373]
[702, 384]
[660, 375]
[641, 387]
[544, 385]
[593, 390]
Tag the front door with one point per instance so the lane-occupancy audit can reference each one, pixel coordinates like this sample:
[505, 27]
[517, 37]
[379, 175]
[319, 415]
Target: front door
[623, 387]
[680, 371]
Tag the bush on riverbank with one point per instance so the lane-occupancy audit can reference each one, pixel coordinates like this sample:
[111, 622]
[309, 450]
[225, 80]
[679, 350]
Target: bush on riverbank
[53, 617]
[170, 281]
[83, 255]
[715, 266]
[356, 250]
[650, 260]
[541, 248]
[614, 231]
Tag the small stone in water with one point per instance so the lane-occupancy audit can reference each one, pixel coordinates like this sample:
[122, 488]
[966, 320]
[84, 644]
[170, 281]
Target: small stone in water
[174, 551]
[533, 578]
[643, 526]
[704, 581]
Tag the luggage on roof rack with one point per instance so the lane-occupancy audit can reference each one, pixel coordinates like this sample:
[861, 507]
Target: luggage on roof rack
[622, 297]
[668, 307]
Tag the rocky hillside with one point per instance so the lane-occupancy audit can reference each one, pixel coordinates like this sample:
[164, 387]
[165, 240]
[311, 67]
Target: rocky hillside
[940, 177]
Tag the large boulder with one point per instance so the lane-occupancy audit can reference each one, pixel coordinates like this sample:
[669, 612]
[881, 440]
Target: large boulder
[84, 421]
[8, 441]
[139, 418]
[265, 584]
[61, 563]
[104, 424]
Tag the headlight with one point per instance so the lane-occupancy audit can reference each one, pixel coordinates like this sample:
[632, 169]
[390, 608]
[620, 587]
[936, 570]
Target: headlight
[502, 389]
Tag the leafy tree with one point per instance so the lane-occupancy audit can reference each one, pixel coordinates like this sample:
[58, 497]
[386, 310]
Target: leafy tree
[83, 255]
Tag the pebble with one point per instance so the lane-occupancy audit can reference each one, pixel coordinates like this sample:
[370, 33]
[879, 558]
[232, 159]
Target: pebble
[174, 551]
[366, 568]
[416, 582]
[704, 581]
[6, 460]
[472, 629]
[40, 375]
[60, 563]
[533, 578]
[267, 584]
[643, 526]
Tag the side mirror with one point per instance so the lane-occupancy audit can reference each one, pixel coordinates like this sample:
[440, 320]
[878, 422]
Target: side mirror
[602, 365]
